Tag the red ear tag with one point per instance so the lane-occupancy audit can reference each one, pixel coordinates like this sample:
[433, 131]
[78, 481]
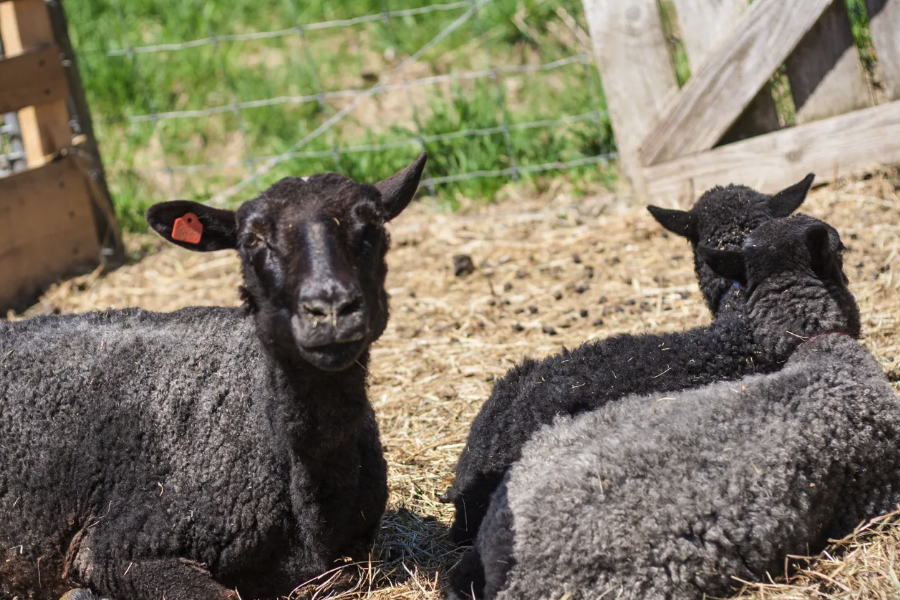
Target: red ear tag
[187, 229]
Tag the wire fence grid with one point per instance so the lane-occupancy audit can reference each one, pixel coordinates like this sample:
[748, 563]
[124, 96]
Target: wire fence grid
[495, 90]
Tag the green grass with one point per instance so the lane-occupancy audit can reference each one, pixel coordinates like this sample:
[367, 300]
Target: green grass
[503, 33]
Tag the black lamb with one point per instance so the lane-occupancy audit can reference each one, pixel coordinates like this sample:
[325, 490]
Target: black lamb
[533, 393]
[672, 497]
[722, 218]
[190, 454]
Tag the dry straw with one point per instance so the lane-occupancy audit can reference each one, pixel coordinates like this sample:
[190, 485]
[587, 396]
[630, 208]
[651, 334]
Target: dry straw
[551, 271]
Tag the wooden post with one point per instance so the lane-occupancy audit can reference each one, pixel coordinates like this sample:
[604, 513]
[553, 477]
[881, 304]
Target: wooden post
[705, 24]
[884, 16]
[826, 76]
[637, 74]
[104, 211]
[25, 26]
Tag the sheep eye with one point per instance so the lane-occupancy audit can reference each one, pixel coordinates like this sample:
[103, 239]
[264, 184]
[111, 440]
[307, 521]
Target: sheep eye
[369, 237]
[253, 240]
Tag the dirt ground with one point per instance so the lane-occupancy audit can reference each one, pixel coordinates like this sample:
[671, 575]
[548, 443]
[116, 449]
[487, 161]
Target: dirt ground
[550, 271]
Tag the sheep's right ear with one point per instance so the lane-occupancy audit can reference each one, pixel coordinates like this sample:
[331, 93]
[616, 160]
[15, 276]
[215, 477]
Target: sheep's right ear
[680, 222]
[214, 228]
[728, 264]
[819, 245]
[790, 198]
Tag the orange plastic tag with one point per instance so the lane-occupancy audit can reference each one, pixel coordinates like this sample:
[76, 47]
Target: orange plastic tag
[187, 229]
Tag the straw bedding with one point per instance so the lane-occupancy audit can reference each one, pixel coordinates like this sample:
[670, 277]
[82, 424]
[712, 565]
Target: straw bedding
[551, 270]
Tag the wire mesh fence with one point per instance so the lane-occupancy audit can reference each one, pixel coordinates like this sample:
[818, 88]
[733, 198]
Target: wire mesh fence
[219, 99]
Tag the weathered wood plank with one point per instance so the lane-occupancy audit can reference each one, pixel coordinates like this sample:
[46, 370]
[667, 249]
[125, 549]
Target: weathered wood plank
[704, 25]
[829, 148]
[24, 26]
[104, 210]
[884, 17]
[636, 70]
[714, 97]
[35, 77]
[826, 76]
[46, 229]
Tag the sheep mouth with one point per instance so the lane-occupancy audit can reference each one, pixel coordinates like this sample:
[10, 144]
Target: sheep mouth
[335, 356]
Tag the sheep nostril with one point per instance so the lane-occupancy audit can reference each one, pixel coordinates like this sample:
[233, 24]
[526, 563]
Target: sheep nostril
[351, 307]
[313, 311]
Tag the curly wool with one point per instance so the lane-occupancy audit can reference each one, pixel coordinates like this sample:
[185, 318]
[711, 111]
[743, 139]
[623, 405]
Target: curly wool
[671, 498]
[138, 435]
[533, 393]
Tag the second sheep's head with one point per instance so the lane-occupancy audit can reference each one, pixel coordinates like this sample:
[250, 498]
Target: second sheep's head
[312, 252]
[792, 270]
[722, 218]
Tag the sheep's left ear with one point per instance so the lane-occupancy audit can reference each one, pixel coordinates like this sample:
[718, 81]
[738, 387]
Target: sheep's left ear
[398, 190]
[728, 264]
[790, 198]
[193, 225]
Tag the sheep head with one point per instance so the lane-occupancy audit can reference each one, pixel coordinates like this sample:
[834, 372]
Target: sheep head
[313, 258]
[792, 270]
[722, 218]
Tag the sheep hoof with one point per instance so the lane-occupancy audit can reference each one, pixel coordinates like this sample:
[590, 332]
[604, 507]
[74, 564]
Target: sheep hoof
[446, 497]
[79, 594]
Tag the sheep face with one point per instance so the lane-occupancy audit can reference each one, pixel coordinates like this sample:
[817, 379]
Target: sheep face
[313, 259]
[722, 218]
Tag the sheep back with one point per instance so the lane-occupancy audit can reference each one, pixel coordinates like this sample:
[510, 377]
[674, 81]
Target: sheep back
[671, 496]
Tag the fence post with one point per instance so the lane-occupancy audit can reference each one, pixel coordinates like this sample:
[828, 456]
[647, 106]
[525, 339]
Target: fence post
[704, 25]
[826, 75]
[636, 72]
[24, 26]
[884, 16]
[104, 211]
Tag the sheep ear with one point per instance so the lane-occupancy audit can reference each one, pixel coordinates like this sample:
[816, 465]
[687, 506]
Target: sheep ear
[728, 264]
[819, 245]
[398, 190]
[680, 222]
[789, 199]
[193, 225]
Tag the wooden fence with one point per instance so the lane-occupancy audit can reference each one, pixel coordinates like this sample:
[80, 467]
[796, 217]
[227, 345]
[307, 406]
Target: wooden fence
[56, 217]
[722, 126]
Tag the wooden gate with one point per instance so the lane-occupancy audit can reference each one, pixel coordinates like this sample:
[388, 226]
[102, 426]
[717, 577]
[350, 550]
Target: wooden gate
[722, 127]
[56, 217]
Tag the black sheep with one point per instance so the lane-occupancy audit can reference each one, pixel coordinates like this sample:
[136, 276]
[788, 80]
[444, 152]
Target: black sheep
[533, 393]
[671, 498]
[188, 454]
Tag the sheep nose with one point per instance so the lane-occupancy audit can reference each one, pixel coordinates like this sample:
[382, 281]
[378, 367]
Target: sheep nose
[332, 310]
[341, 309]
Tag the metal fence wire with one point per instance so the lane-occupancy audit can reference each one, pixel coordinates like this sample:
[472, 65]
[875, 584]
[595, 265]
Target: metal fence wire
[495, 90]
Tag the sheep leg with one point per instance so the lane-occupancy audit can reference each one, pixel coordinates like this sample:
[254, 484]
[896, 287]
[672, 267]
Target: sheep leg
[80, 594]
[151, 579]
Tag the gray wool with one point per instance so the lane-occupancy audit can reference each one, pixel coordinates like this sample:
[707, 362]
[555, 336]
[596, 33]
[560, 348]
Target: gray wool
[130, 435]
[670, 497]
